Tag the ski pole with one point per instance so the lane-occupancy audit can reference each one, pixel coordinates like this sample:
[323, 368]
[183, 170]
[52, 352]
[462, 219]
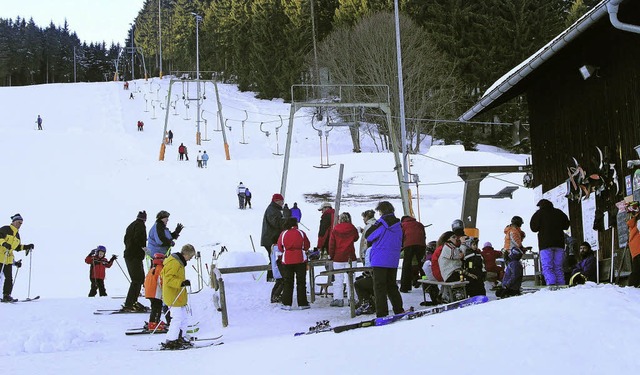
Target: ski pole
[124, 273]
[170, 306]
[252, 245]
[305, 227]
[30, 262]
[15, 277]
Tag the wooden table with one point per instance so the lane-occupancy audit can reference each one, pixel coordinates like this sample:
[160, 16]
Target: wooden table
[448, 289]
[312, 276]
[349, 272]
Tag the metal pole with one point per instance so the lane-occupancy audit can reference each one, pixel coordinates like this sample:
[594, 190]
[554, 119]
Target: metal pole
[74, 65]
[132, 54]
[198, 19]
[403, 131]
[315, 50]
[160, 35]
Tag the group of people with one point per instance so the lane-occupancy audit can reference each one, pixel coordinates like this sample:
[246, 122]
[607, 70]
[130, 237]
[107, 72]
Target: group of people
[170, 293]
[202, 159]
[244, 196]
[140, 125]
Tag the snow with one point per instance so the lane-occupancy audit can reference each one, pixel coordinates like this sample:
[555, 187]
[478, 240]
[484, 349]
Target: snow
[81, 181]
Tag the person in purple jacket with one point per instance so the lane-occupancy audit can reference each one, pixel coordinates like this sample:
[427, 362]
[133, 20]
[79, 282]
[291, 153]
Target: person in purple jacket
[385, 239]
[295, 212]
[585, 270]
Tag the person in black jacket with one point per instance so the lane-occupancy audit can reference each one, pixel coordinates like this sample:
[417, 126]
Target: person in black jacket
[550, 224]
[272, 223]
[135, 239]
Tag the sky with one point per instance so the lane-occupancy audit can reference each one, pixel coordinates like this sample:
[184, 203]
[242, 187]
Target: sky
[79, 182]
[92, 20]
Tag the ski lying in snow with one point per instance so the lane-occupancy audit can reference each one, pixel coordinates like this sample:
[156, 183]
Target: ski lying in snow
[111, 312]
[145, 331]
[194, 346]
[30, 299]
[413, 314]
[321, 326]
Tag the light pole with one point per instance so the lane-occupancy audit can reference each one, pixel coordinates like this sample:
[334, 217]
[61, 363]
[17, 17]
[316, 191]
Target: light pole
[132, 53]
[160, 35]
[403, 131]
[198, 19]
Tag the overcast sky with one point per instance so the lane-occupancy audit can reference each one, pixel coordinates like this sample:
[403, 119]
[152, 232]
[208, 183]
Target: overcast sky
[92, 20]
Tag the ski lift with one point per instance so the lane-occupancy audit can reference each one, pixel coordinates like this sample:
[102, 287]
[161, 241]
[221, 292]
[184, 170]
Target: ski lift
[266, 132]
[146, 103]
[277, 139]
[326, 134]
[205, 126]
[246, 116]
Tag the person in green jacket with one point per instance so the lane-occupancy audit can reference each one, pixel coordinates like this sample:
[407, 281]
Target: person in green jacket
[175, 296]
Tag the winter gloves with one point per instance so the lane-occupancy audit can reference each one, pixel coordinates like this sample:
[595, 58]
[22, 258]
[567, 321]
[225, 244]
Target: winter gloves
[18, 263]
[186, 283]
[176, 233]
[7, 245]
[113, 257]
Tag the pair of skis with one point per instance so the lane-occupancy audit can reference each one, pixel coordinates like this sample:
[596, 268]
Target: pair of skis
[197, 343]
[324, 325]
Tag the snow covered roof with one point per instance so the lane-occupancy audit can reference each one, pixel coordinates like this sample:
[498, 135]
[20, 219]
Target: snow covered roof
[517, 74]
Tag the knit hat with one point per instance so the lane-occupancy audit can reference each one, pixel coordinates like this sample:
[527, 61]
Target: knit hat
[277, 197]
[324, 205]
[162, 214]
[142, 215]
[16, 217]
[487, 244]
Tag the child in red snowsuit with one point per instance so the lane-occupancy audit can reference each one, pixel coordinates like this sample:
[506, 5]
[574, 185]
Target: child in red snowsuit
[97, 271]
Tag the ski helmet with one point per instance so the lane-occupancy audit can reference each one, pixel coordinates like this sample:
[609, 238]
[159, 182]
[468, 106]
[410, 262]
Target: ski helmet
[517, 221]
[457, 224]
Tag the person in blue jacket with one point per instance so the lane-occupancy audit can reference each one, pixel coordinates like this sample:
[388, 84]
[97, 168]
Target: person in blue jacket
[385, 239]
[585, 270]
[160, 238]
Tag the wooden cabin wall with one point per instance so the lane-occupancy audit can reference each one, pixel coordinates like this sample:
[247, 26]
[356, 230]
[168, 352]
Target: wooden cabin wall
[570, 116]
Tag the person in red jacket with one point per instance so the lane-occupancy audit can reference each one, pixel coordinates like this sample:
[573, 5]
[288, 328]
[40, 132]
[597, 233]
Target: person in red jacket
[97, 271]
[489, 255]
[414, 245]
[342, 252]
[294, 245]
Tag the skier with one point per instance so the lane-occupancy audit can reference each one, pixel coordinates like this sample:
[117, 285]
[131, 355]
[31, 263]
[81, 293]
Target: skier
[473, 269]
[181, 151]
[39, 121]
[160, 238]
[413, 245]
[153, 292]
[450, 259]
[513, 235]
[512, 276]
[247, 198]
[135, 239]
[170, 137]
[205, 158]
[175, 296]
[550, 223]
[434, 292]
[286, 211]
[294, 245]
[295, 212]
[199, 158]
[342, 253]
[241, 189]
[186, 153]
[99, 264]
[272, 222]
[385, 237]
[10, 242]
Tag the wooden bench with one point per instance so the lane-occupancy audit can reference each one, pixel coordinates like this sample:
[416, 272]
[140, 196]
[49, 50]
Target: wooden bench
[450, 292]
[324, 283]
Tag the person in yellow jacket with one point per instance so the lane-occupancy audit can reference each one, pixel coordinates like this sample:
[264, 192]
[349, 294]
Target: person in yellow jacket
[10, 242]
[174, 295]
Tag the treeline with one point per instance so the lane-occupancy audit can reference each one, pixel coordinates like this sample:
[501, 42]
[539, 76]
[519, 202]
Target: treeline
[30, 54]
[453, 50]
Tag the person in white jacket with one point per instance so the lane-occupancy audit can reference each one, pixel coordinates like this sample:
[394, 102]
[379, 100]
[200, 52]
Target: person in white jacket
[241, 190]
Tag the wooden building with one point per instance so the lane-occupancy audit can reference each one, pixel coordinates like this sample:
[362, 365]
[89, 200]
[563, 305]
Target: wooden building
[583, 92]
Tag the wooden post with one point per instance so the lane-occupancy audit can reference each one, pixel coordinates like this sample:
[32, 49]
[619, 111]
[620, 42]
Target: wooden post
[223, 304]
